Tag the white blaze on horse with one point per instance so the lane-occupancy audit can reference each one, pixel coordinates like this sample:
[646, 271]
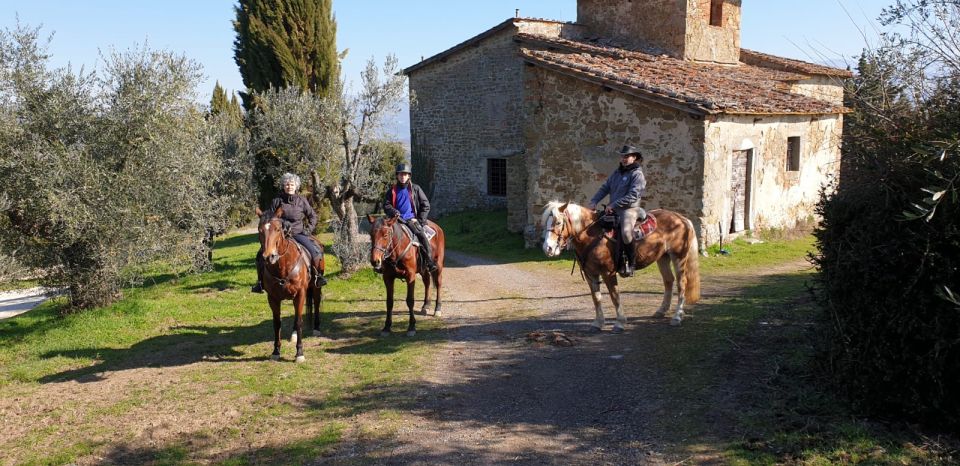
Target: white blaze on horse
[673, 242]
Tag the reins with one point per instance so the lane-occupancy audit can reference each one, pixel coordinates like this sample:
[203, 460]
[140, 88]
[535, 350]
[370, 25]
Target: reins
[566, 241]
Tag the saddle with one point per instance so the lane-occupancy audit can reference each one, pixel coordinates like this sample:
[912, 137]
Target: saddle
[428, 232]
[318, 263]
[640, 231]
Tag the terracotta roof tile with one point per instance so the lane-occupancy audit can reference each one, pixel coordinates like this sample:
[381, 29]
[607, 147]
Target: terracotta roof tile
[690, 86]
[751, 57]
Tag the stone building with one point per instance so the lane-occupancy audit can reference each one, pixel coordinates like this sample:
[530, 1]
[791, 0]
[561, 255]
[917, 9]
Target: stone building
[534, 110]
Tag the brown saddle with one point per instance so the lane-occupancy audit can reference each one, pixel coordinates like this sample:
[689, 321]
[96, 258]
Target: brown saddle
[641, 229]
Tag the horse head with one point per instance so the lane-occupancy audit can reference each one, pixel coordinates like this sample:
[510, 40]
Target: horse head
[557, 228]
[381, 240]
[271, 232]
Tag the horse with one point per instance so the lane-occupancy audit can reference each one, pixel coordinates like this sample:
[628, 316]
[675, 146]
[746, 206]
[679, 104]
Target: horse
[672, 242]
[393, 255]
[286, 275]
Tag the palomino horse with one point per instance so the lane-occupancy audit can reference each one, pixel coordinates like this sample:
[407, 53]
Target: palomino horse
[673, 242]
[286, 275]
[393, 254]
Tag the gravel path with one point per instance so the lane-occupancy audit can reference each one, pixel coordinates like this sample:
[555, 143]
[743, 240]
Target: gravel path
[495, 396]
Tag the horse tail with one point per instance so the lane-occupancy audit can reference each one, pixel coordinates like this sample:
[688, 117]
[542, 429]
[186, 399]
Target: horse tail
[691, 265]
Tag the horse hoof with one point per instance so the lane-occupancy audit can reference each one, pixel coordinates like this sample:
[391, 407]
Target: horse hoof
[275, 357]
[293, 338]
[301, 358]
[384, 333]
[659, 314]
[674, 322]
[595, 329]
[617, 330]
[411, 333]
[423, 311]
[438, 313]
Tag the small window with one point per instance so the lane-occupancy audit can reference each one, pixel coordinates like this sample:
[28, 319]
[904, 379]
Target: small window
[793, 154]
[716, 13]
[497, 177]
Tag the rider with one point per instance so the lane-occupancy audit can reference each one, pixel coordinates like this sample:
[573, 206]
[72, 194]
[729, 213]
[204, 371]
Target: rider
[298, 221]
[625, 186]
[408, 202]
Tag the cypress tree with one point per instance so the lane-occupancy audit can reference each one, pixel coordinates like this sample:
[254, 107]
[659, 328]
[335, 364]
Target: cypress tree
[218, 103]
[284, 43]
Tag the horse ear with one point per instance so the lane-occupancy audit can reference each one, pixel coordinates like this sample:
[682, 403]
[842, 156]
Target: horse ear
[564, 207]
[258, 212]
[278, 213]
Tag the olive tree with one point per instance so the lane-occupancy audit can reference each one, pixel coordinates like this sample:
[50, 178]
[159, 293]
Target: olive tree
[336, 141]
[103, 174]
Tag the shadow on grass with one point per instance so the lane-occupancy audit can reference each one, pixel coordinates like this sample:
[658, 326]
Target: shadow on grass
[185, 345]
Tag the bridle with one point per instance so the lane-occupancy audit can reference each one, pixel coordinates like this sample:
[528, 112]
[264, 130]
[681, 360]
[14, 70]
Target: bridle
[296, 269]
[564, 241]
[389, 251]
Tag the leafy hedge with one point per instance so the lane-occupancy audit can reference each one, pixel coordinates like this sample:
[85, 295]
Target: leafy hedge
[889, 251]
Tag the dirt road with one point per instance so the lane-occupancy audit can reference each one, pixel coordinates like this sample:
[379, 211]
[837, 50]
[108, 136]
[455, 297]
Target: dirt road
[495, 396]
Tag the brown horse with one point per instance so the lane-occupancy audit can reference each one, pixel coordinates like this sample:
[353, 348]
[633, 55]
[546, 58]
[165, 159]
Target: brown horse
[286, 275]
[673, 242]
[393, 254]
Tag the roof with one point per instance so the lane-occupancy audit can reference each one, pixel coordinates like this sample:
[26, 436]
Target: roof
[693, 87]
[474, 40]
[765, 60]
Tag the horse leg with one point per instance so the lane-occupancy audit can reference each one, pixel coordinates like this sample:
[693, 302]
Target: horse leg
[681, 287]
[275, 307]
[594, 283]
[611, 281]
[297, 335]
[317, 308]
[426, 291]
[438, 279]
[411, 284]
[663, 263]
[388, 282]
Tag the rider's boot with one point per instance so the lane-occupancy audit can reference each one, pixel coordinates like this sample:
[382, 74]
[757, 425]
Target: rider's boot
[258, 288]
[630, 263]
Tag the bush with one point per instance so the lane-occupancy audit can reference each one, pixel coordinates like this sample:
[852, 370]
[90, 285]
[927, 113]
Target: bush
[889, 246]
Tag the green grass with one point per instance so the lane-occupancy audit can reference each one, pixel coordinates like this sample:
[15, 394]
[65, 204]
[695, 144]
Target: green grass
[213, 336]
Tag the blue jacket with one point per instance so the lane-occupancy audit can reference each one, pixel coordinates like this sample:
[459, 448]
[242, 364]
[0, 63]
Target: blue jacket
[625, 186]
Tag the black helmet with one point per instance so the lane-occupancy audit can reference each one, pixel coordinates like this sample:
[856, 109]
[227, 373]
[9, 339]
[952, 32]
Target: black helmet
[403, 168]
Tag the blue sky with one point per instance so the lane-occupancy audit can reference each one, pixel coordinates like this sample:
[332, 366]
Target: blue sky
[820, 30]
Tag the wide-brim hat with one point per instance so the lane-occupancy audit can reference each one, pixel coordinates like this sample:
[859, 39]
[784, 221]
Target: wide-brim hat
[627, 150]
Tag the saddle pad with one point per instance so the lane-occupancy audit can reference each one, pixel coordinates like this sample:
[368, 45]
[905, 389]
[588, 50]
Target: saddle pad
[646, 227]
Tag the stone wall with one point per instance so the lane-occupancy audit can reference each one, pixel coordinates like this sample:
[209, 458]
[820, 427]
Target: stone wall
[828, 88]
[637, 23]
[778, 198]
[465, 109]
[574, 129]
[719, 44]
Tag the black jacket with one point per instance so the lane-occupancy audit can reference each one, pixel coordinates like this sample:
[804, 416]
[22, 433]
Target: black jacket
[421, 205]
[297, 213]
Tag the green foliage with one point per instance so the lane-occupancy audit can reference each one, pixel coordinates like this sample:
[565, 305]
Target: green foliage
[283, 43]
[889, 261]
[221, 105]
[102, 175]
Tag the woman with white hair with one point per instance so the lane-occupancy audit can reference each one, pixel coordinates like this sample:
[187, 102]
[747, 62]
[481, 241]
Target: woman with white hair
[298, 219]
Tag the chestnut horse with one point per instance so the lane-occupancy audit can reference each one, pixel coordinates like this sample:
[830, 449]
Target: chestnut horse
[672, 242]
[393, 254]
[286, 275]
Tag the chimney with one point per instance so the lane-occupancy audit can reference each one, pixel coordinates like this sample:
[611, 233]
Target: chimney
[696, 30]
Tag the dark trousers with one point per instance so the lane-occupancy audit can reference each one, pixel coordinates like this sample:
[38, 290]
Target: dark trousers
[417, 229]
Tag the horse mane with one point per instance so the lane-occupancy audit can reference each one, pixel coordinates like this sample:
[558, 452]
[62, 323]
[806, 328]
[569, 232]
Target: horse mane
[552, 208]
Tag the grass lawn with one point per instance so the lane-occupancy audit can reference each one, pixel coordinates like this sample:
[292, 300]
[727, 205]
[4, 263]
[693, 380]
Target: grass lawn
[188, 358]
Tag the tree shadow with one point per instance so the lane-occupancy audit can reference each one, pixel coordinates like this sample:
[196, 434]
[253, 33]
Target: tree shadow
[190, 344]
